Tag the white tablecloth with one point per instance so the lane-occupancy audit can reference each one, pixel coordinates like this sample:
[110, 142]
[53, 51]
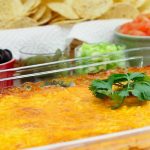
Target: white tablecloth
[53, 36]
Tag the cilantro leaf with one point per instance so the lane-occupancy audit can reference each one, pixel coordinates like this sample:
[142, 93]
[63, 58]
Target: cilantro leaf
[130, 84]
[117, 78]
[100, 84]
[100, 88]
[142, 91]
[118, 97]
[136, 76]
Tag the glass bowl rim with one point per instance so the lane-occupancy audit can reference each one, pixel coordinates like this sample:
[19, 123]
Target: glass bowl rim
[116, 32]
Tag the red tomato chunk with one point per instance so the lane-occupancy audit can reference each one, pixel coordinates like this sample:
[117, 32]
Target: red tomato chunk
[138, 27]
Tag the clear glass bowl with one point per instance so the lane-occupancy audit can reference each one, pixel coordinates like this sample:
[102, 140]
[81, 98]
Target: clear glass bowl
[127, 53]
[40, 54]
[37, 54]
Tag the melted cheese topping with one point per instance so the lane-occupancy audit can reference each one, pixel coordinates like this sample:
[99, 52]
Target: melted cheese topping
[55, 114]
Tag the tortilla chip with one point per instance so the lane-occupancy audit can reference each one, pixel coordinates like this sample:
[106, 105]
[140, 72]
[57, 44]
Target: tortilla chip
[8, 9]
[30, 5]
[145, 8]
[64, 10]
[91, 9]
[47, 16]
[21, 22]
[121, 10]
[39, 13]
[65, 22]
[135, 3]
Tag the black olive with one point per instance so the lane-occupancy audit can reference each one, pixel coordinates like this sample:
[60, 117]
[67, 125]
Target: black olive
[1, 56]
[7, 55]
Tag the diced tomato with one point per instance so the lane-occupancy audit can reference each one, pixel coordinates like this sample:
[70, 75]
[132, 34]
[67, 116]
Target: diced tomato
[125, 28]
[141, 18]
[147, 27]
[148, 32]
[140, 26]
[136, 33]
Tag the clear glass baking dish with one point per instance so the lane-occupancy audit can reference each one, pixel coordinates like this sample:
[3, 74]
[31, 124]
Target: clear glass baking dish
[139, 138]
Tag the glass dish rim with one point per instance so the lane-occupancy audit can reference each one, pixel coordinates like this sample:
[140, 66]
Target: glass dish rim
[33, 54]
[89, 140]
[64, 69]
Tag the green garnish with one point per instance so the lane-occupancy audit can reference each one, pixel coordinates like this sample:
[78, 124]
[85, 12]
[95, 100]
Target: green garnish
[57, 83]
[130, 84]
[28, 87]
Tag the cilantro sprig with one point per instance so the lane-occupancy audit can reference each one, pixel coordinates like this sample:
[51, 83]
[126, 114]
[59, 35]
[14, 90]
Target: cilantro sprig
[119, 86]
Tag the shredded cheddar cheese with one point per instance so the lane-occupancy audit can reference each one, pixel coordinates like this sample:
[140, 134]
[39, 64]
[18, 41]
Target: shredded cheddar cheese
[48, 115]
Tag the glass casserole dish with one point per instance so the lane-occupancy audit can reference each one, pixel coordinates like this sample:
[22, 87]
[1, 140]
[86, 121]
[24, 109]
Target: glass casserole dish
[75, 69]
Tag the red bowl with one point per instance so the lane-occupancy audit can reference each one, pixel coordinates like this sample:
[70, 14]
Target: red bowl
[7, 65]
